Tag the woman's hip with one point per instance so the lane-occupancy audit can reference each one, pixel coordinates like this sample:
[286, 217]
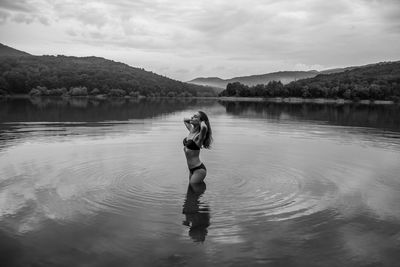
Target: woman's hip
[199, 167]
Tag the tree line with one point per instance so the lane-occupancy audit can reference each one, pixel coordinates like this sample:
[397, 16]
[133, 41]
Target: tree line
[372, 82]
[63, 75]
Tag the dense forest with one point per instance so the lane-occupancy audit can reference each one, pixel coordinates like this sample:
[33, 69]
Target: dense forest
[65, 75]
[372, 82]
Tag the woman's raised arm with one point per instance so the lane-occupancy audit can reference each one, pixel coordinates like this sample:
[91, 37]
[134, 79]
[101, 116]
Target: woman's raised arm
[187, 123]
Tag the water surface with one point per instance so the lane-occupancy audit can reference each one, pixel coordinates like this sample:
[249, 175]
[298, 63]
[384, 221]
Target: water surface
[100, 183]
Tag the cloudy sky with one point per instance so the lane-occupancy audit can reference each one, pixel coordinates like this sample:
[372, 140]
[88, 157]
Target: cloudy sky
[191, 38]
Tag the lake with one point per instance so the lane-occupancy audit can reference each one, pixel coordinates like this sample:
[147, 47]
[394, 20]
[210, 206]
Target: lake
[105, 183]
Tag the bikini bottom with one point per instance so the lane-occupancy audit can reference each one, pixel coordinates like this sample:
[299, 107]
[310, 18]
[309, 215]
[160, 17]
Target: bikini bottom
[201, 166]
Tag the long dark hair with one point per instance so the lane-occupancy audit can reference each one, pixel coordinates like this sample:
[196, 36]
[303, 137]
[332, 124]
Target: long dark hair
[208, 139]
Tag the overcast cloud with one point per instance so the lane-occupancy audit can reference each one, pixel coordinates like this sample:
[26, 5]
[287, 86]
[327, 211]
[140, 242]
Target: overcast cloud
[187, 39]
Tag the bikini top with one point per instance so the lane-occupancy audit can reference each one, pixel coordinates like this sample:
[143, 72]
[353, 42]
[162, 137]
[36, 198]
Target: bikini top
[190, 144]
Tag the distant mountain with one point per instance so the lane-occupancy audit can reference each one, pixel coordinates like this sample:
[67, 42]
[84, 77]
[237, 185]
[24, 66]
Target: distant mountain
[9, 51]
[20, 74]
[211, 81]
[283, 76]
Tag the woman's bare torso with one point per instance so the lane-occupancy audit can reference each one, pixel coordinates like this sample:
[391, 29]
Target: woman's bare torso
[192, 156]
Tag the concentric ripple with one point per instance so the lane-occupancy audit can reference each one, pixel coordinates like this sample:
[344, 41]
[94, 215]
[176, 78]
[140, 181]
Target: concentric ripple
[273, 192]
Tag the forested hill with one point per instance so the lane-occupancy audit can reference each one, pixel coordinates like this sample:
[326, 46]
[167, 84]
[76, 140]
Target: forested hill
[9, 51]
[54, 75]
[374, 81]
[379, 81]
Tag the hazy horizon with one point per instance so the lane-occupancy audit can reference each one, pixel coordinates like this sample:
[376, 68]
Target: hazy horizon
[225, 39]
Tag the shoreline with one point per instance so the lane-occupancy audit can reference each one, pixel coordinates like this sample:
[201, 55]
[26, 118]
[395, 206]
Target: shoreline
[296, 100]
[289, 100]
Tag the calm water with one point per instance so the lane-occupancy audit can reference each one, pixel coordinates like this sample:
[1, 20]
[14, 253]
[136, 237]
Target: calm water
[88, 183]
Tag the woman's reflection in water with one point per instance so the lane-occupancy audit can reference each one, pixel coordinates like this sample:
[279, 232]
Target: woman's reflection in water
[197, 213]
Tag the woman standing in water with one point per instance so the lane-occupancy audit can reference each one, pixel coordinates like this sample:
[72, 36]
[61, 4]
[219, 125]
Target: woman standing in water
[200, 135]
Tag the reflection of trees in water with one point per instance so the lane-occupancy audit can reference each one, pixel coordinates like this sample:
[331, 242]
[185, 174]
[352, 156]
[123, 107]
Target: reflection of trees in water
[79, 102]
[376, 116]
[82, 109]
[197, 213]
